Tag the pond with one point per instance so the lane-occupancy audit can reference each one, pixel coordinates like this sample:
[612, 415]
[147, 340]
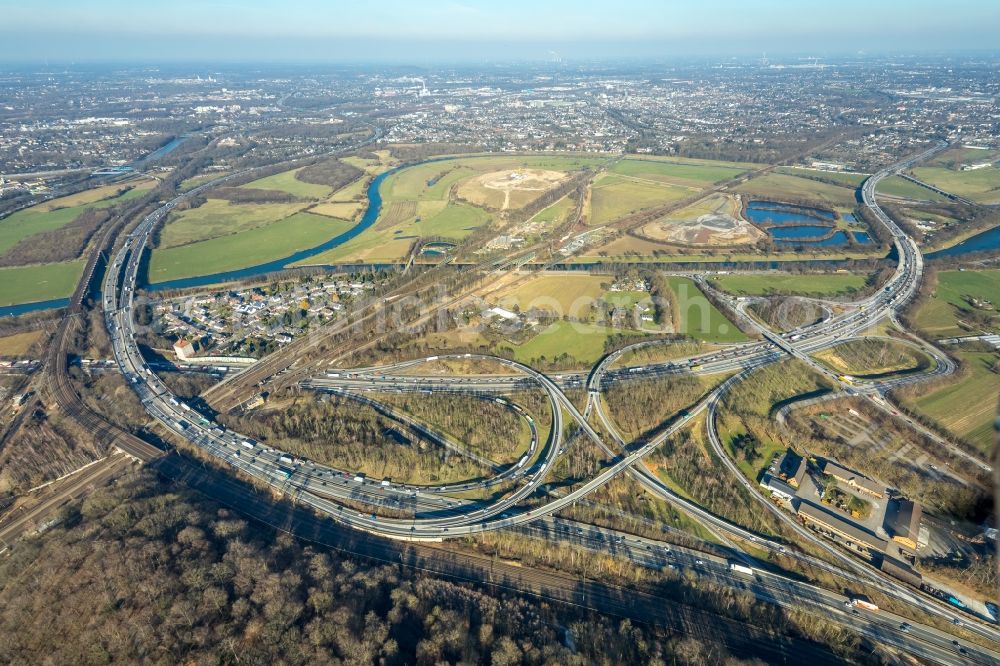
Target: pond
[770, 212]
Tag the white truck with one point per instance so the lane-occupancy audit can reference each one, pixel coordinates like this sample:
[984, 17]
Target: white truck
[740, 568]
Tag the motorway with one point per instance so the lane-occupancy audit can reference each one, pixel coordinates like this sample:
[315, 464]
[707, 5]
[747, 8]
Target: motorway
[329, 490]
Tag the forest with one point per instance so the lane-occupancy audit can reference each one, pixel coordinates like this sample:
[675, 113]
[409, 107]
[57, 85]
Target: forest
[148, 573]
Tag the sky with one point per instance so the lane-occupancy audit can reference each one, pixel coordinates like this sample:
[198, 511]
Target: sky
[421, 31]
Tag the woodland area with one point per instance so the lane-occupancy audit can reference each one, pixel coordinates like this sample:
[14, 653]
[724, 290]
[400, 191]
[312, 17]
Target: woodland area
[354, 437]
[146, 573]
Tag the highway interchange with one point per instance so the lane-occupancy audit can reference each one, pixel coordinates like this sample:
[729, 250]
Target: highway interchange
[353, 500]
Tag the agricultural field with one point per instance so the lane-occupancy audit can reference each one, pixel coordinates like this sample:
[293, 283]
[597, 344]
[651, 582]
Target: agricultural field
[613, 197]
[57, 213]
[835, 284]
[286, 181]
[247, 248]
[793, 189]
[897, 186]
[941, 315]
[695, 316]
[218, 217]
[345, 210]
[981, 185]
[873, 356]
[39, 282]
[19, 343]
[682, 174]
[967, 406]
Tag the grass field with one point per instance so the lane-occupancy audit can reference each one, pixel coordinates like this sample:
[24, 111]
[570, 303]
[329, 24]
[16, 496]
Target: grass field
[897, 186]
[19, 343]
[696, 317]
[981, 185]
[940, 315]
[390, 239]
[613, 197]
[40, 282]
[287, 182]
[556, 213]
[967, 407]
[248, 248]
[59, 212]
[851, 180]
[564, 294]
[836, 284]
[584, 342]
[200, 179]
[673, 173]
[218, 217]
[781, 187]
[956, 156]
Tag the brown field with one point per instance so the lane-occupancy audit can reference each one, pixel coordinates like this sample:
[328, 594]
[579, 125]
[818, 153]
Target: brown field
[347, 210]
[508, 189]
[714, 221]
[19, 343]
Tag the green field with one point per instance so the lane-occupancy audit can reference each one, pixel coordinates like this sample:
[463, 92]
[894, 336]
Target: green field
[672, 173]
[967, 407]
[851, 180]
[941, 314]
[696, 317]
[287, 182]
[836, 284]
[389, 240]
[897, 186]
[218, 217]
[248, 248]
[981, 185]
[613, 197]
[58, 213]
[40, 282]
[783, 187]
[584, 342]
[557, 212]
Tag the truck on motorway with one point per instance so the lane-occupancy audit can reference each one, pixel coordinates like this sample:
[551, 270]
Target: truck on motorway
[863, 602]
[359, 478]
[736, 567]
[247, 444]
[285, 459]
[524, 459]
[185, 407]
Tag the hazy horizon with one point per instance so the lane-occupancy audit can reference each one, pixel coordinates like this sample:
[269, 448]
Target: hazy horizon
[396, 32]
